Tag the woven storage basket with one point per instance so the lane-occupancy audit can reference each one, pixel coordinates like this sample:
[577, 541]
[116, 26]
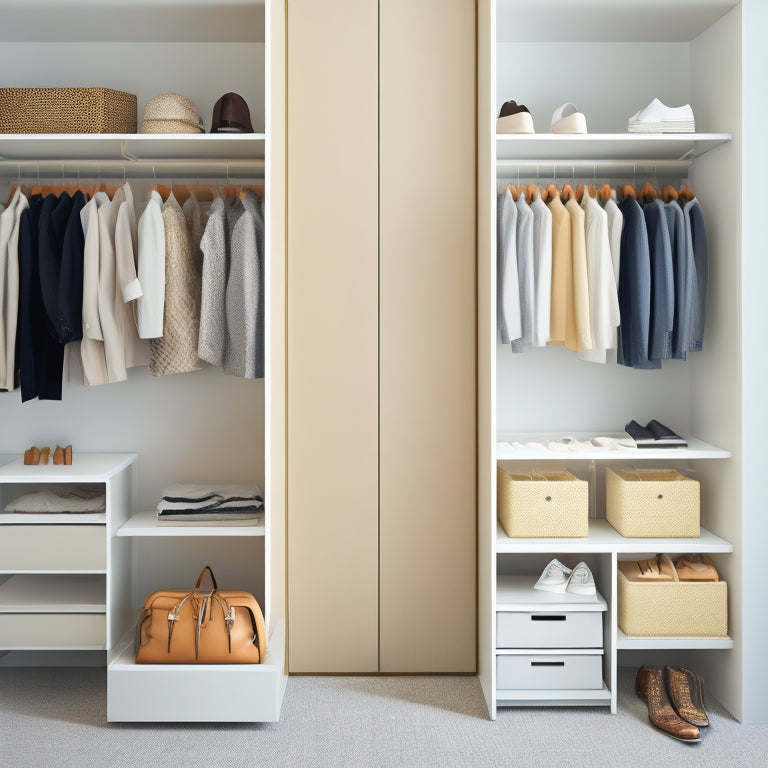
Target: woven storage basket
[66, 110]
[652, 503]
[542, 503]
[672, 609]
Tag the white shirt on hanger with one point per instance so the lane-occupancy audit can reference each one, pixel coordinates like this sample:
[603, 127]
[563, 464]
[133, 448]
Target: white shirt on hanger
[151, 269]
[603, 294]
[510, 323]
[9, 286]
[92, 344]
[542, 257]
[525, 275]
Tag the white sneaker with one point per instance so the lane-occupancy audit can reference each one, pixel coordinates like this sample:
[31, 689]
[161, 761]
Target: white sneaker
[657, 117]
[554, 578]
[581, 581]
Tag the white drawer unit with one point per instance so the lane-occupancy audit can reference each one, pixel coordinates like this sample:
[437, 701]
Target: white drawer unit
[549, 646]
[63, 576]
[561, 671]
[549, 629]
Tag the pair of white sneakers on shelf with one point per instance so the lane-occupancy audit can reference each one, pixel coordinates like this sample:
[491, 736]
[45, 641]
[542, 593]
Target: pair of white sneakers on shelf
[557, 577]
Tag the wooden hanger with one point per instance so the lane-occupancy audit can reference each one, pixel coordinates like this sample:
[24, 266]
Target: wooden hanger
[669, 193]
[583, 189]
[550, 192]
[514, 190]
[24, 191]
[205, 193]
[623, 192]
[530, 193]
[567, 192]
[604, 193]
[685, 195]
[648, 193]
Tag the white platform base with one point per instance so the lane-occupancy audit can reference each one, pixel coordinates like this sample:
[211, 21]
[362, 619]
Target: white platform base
[231, 693]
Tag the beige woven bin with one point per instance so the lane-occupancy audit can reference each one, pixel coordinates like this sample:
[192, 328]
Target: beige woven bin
[673, 609]
[652, 503]
[66, 110]
[542, 503]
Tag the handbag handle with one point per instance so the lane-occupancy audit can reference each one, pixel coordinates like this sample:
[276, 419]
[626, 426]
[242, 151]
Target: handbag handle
[202, 573]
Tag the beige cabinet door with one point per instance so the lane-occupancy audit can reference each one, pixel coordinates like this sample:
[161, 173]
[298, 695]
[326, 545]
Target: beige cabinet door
[332, 331]
[427, 335]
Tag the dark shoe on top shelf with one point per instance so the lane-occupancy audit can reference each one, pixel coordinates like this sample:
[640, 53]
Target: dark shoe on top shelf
[685, 689]
[651, 688]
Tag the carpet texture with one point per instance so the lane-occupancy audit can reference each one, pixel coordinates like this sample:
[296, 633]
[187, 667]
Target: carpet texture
[56, 718]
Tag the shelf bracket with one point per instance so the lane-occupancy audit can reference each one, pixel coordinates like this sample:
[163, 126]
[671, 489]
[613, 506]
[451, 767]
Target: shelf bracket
[126, 154]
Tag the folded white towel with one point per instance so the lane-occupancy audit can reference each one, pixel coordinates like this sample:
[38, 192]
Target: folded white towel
[67, 499]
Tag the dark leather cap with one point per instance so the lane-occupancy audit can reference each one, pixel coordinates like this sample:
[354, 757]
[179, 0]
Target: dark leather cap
[231, 115]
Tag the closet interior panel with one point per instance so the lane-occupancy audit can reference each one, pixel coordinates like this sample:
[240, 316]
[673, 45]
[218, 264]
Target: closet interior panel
[717, 410]
[427, 425]
[332, 321]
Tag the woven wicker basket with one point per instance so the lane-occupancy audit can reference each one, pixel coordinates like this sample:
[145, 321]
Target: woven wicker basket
[652, 502]
[66, 110]
[672, 609]
[542, 503]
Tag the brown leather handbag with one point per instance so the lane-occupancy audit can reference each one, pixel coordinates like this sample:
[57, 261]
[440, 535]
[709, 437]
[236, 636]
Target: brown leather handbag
[216, 626]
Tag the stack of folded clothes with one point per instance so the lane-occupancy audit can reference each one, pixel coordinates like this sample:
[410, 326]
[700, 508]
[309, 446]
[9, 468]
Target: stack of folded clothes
[67, 499]
[185, 502]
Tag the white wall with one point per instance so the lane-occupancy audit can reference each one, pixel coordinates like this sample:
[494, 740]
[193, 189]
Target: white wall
[200, 71]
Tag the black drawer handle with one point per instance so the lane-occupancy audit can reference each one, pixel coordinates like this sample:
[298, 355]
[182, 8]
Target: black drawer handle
[548, 618]
[547, 663]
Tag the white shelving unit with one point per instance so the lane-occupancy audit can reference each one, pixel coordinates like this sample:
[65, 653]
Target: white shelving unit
[549, 393]
[200, 427]
[67, 580]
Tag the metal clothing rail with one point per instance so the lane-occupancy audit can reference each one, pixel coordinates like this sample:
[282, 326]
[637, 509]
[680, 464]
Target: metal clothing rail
[592, 166]
[134, 167]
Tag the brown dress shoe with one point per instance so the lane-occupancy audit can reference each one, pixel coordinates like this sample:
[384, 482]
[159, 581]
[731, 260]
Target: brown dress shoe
[44, 454]
[686, 692]
[31, 456]
[649, 686]
[58, 455]
[68, 455]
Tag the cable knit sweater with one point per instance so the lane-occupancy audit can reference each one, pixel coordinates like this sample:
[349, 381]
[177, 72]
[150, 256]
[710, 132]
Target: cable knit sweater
[176, 351]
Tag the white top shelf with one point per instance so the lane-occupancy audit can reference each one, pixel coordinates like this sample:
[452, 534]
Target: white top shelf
[603, 537]
[606, 146]
[606, 20]
[517, 593]
[53, 594]
[85, 468]
[145, 524]
[534, 448]
[131, 147]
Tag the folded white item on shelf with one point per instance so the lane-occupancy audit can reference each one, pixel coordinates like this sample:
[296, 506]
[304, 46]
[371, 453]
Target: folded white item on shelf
[68, 499]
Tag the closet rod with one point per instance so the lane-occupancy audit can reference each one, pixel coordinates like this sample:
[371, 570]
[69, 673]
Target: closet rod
[146, 166]
[601, 165]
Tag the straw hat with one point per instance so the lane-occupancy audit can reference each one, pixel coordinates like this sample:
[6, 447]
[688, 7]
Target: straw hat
[171, 113]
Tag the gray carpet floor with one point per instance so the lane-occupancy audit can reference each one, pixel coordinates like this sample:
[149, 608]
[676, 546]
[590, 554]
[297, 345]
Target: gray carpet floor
[56, 718]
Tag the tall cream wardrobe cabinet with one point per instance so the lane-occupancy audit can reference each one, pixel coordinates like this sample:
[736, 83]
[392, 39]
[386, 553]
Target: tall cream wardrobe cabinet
[381, 339]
